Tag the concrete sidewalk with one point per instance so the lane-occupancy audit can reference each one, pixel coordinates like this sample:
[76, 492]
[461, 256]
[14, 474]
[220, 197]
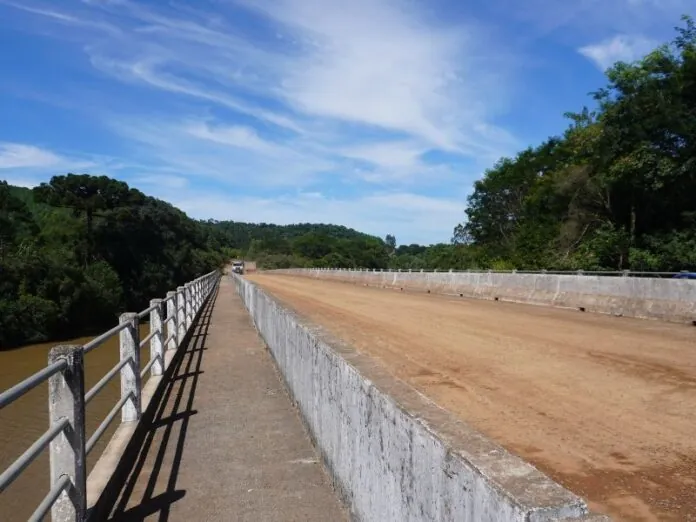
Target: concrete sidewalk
[226, 443]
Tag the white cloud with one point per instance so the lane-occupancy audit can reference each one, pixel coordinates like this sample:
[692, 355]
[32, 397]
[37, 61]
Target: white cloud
[232, 135]
[384, 64]
[18, 155]
[341, 67]
[397, 154]
[624, 48]
[235, 155]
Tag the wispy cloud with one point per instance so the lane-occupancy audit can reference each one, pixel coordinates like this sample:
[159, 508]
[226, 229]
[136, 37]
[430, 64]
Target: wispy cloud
[377, 113]
[200, 150]
[624, 48]
[233, 135]
[18, 155]
[331, 70]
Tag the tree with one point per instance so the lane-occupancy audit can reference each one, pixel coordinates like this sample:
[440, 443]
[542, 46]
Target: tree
[84, 194]
[390, 241]
[140, 248]
[614, 190]
[16, 220]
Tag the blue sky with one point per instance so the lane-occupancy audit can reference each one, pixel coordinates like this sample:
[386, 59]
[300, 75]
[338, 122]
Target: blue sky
[375, 114]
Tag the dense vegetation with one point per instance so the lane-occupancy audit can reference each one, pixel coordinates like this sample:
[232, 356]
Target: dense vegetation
[617, 190]
[78, 250]
[302, 245]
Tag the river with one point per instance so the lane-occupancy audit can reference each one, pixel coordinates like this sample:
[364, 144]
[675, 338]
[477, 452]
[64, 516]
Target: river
[22, 422]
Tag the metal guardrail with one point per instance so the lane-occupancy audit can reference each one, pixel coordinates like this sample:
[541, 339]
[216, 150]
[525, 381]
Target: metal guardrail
[615, 273]
[67, 398]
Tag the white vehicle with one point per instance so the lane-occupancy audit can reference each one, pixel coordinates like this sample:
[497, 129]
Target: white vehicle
[238, 267]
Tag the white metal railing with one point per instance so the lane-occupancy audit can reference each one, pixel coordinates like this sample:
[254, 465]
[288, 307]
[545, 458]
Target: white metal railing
[67, 398]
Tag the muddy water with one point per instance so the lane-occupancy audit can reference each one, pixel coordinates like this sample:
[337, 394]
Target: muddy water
[22, 422]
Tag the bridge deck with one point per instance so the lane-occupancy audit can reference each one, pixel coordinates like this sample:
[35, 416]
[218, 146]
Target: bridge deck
[604, 405]
[226, 443]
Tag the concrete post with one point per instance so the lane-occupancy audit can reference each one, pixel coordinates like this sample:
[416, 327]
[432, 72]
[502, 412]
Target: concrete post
[180, 314]
[157, 341]
[66, 400]
[130, 374]
[188, 295]
[171, 323]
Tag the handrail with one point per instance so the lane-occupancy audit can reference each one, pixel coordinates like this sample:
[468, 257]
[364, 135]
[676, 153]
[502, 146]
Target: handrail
[50, 499]
[148, 366]
[147, 339]
[146, 311]
[67, 398]
[105, 380]
[105, 423]
[26, 458]
[98, 341]
[9, 396]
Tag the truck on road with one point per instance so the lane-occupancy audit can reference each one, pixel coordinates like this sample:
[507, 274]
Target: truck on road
[238, 267]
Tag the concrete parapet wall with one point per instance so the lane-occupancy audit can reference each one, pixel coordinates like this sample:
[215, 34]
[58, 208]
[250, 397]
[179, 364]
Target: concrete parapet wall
[667, 299]
[393, 454]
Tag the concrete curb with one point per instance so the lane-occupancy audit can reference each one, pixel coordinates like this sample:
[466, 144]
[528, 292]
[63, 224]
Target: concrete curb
[392, 453]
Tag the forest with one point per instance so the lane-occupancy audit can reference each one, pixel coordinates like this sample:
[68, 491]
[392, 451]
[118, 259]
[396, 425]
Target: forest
[78, 250]
[616, 190]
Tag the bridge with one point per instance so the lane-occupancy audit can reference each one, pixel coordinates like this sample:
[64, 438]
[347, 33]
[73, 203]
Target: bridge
[247, 409]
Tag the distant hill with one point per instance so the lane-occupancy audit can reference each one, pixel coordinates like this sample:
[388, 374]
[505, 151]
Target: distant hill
[301, 245]
[240, 235]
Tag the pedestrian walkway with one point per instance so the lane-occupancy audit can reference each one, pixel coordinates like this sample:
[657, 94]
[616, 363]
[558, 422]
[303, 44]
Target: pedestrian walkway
[226, 443]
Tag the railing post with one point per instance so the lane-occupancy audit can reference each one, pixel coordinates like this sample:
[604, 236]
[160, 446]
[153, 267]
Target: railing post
[193, 301]
[131, 384]
[172, 318]
[188, 294]
[157, 341]
[66, 400]
[180, 314]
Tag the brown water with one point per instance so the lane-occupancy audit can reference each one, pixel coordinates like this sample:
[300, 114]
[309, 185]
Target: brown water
[22, 422]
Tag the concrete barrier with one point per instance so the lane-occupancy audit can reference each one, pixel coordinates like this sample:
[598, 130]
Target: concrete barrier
[394, 455]
[645, 297]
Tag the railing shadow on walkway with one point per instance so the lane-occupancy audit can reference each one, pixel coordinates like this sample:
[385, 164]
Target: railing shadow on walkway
[158, 460]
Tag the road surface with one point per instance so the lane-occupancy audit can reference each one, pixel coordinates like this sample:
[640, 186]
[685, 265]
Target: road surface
[604, 405]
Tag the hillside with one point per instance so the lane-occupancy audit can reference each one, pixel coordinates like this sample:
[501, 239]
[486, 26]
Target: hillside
[301, 245]
[78, 250]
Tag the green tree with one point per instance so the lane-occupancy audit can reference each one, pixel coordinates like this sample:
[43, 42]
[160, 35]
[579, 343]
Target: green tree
[85, 195]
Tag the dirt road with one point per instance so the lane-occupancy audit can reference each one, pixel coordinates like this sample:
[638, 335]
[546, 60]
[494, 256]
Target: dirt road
[604, 405]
